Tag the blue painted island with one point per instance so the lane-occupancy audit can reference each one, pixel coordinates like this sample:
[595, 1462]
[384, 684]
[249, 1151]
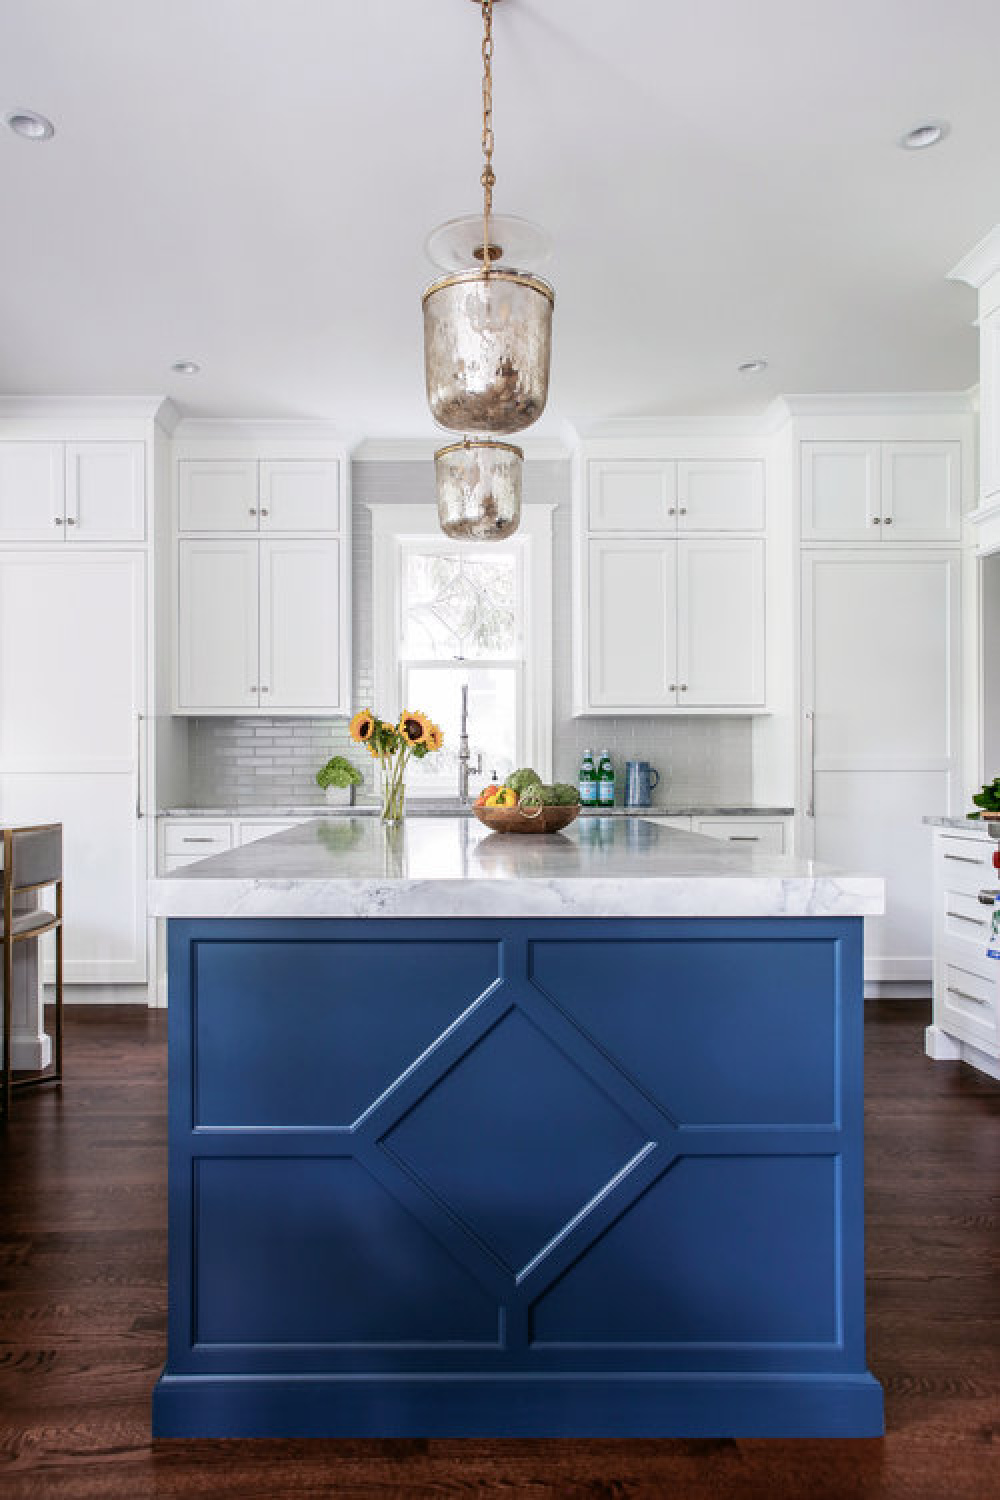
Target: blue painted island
[479, 1135]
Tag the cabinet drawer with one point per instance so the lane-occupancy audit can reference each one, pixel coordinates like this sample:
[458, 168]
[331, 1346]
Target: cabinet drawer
[747, 833]
[197, 839]
[249, 833]
[966, 1004]
[967, 865]
[965, 918]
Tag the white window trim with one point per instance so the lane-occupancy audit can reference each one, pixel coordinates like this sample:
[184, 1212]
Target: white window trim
[393, 525]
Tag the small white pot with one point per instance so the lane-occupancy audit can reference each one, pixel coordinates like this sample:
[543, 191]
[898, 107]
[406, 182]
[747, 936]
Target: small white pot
[340, 796]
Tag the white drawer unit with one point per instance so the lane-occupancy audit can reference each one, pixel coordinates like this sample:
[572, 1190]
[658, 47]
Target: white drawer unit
[966, 1022]
[182, 841]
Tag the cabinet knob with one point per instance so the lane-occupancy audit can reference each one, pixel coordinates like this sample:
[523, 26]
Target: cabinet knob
[251, 690]
[265, 690]
[673, 687]
[70, 520]
[264, 512]
[57, 520]
[683, 510]
[672, 511]
[876, 520]
[253, 511]
[684, 687]
[887, 521]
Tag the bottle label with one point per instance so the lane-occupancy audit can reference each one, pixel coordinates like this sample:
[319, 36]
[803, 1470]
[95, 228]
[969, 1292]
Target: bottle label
[606, 793]
[588, 792]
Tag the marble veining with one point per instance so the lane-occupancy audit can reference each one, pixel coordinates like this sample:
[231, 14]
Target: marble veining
[455, 867]
[432, 810]
[977, 826]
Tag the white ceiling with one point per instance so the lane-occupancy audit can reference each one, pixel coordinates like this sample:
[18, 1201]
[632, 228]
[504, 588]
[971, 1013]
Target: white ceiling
[248, 183]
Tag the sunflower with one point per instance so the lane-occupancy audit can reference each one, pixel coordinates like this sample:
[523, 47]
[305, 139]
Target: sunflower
[435, 738]
[414, 727]
[362, 726]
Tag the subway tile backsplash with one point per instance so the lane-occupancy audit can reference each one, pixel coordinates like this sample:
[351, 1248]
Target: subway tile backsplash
[255, 762]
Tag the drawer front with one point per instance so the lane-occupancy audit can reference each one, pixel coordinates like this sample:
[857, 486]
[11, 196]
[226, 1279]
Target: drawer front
[172, 862]
[249, 833]
[197, 839]
[767, 835]
[967, 865]
[966, 1004]
[964, 918]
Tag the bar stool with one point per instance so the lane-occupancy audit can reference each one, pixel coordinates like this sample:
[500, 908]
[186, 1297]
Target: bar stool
[32, 859]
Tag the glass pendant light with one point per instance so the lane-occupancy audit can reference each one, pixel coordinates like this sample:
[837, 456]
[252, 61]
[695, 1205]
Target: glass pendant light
[479, 489]
[487, 329]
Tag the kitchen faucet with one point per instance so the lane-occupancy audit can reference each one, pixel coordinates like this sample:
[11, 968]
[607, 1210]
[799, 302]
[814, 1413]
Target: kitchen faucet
[463, 751]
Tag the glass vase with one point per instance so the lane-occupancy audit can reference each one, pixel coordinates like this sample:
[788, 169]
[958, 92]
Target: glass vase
[393, 788]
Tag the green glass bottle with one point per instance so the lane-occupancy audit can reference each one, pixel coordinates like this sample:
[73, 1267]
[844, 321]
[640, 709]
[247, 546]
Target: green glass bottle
[588, 781]
[606, 781]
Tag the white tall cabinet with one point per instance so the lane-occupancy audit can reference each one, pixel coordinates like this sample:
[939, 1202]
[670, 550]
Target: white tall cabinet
[671, 601]
[77, 675]
[880, 505]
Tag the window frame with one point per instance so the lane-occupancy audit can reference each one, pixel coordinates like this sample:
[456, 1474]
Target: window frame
[396, 527]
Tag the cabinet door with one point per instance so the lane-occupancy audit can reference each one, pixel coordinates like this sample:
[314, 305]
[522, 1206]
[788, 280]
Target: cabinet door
[632, 636]
[300, 625]
[32, 492]
[300, 495]
[69, 740]
[841, 492]
[216, 494]
[105, 492]
[921, 492]
[720, 623]
[217, 617]
[989, 411]
[632, 495]
[720, 496]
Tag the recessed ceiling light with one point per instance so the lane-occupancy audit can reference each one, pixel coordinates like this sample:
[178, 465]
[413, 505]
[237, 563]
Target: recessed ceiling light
[931, 133]
[752, 366]
[185, 367]
[29, 124]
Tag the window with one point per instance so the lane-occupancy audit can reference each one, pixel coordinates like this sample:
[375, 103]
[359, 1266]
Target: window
[450, 614]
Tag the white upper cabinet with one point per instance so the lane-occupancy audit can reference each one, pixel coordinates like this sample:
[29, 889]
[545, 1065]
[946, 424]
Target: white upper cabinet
[274, 495]
[725, 495]
[720, 623]
[632, 495]
[632, 655]
[105, 492]
[841, 491]
[32, 492]
[75, 492]
[217, 495]
[217, 626]
[881, 492]
[299, 495]
[300, 625]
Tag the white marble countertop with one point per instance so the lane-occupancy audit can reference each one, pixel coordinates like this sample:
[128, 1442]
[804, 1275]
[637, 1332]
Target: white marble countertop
[454, 867]
[979, 826]
[430, 810]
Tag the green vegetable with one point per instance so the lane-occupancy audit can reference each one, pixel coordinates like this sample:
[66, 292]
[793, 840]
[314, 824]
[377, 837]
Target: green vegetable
[989, 798]
[537, 794]
[338, 772]
[520, 780]
[565, 795]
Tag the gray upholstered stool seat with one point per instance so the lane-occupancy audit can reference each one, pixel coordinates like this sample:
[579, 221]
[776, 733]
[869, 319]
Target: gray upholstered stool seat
[29, 921]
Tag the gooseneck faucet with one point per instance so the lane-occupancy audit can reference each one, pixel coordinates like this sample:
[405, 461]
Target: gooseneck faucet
[463, 750]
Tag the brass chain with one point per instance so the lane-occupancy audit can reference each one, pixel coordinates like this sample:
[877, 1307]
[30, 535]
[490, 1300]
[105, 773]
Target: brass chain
[488, 178]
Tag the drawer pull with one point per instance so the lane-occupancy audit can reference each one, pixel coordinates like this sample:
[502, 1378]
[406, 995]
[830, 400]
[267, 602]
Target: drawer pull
[204, 838]
[965, 859]
[973, 921]
[744, 838]
[964, 995]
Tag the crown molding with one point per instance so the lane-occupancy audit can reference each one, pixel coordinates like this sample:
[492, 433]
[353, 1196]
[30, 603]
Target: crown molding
[737, 425]
[46, 408]
[982, 261]
[254, 429]
[421, 450]
[875, 404]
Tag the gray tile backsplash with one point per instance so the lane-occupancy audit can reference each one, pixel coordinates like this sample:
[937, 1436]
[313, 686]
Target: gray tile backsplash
[274, 761]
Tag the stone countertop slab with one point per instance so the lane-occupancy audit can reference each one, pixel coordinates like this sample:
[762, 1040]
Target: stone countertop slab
[979, 826]
[455, 867]
[415, 810]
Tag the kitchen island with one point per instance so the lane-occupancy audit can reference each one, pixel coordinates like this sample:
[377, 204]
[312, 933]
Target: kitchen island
[515, 1136]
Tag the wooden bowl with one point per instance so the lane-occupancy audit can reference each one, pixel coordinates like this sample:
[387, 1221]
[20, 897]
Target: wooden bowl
[530, 820]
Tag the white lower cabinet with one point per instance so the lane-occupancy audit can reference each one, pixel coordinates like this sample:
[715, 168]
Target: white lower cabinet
[259, 625]
[966, 982]
[767, 835]
[674, 626]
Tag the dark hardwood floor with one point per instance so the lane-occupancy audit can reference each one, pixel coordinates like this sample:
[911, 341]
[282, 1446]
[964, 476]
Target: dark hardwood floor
[82, 1313]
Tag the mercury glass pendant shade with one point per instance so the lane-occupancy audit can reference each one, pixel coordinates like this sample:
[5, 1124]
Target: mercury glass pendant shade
[487, 349]
[479, 489]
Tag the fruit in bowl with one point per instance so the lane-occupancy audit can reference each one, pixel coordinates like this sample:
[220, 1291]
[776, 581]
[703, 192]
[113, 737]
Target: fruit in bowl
[526, 804]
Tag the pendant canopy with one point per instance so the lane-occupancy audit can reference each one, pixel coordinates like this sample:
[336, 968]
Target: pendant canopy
[479, 489]
[487, 348]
